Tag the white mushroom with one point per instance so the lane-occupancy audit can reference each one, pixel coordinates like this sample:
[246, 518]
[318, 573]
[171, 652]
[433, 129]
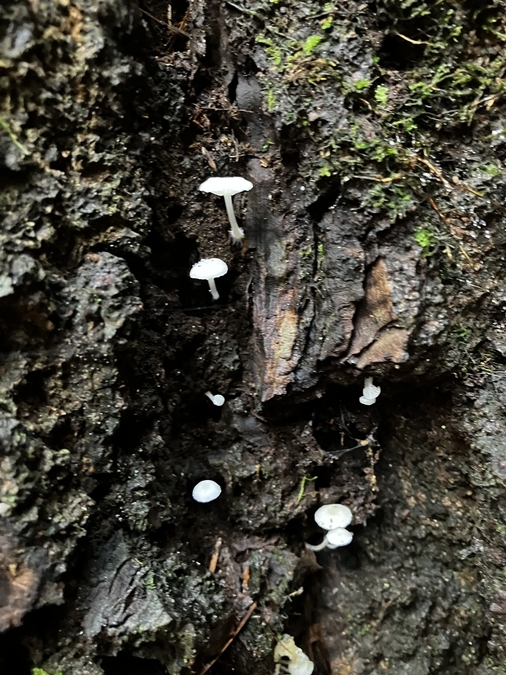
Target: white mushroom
[206, 491]
[334, 518]
[333, 539]
[217, 399]
[227, 188]
[338, 537]
[331, 516]
[370, 393]
[209, 269]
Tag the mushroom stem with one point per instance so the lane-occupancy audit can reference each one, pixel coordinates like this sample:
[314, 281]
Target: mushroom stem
[213, 290]
[318, 547]
[236, 232]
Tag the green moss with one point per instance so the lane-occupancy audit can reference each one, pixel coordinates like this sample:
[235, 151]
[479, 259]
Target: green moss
[41, 671]
[381, 94]
[320, 258]
[149, 580]
[491, 169]
[396, 200]
[359, 85]
[376, 134]
[311, 44]
[273, 52]
[271, 100]
[407, 123]
[425, 239]
[463, 332]
[364, 629]
[306, 252]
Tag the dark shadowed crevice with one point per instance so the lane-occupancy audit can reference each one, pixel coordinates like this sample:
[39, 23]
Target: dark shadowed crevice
[399, 53]
[14, 656]
[327, 199]
[126, 664]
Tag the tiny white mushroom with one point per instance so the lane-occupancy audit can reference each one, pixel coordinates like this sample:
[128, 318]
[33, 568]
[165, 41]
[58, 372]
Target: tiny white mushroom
[209, 269]
[331, 516]
[338, 537]
[227, 187]
[369, 393]
[217, 399]
[4, 509]
[333, 539]
[334, 518]
[206, 491]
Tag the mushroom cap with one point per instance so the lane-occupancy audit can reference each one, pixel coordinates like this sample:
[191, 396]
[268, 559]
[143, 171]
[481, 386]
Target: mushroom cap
[338, 537]
[206, 491]
[370, 391]
[225, 186]
[209, 268]
[218, 400]
[331, 516]
[364, 400]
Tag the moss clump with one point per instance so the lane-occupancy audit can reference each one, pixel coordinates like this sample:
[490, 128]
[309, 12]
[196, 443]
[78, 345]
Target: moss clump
[425, 238]
[408, 125]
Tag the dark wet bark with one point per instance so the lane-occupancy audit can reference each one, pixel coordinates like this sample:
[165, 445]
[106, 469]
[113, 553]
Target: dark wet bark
[374, 136]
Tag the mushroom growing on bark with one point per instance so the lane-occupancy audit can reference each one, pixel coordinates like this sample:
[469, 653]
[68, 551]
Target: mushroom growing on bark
[227, 187]
[217, 399]
[334, 518]
[209, 269]
[330, 516]
[333, 539]
[206, 491]
[370, 393]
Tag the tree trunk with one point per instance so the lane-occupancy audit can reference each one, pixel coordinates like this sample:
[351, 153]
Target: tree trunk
[374, 137]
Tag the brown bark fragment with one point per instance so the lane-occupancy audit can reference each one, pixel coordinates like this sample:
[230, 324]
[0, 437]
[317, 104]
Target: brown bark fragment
[20, 580]
[390, 346]
[376, 310]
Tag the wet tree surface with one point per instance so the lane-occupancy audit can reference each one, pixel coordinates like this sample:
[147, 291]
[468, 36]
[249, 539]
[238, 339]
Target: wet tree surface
[375, 137]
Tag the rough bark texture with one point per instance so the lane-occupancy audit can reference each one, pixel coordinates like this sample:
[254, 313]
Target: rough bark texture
[375, 137]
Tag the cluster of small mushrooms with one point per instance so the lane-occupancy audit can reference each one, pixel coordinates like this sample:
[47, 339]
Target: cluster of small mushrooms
[333, 517]
[210, 269]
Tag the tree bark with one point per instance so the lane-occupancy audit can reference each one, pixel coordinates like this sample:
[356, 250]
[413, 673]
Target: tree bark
[373, 135]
